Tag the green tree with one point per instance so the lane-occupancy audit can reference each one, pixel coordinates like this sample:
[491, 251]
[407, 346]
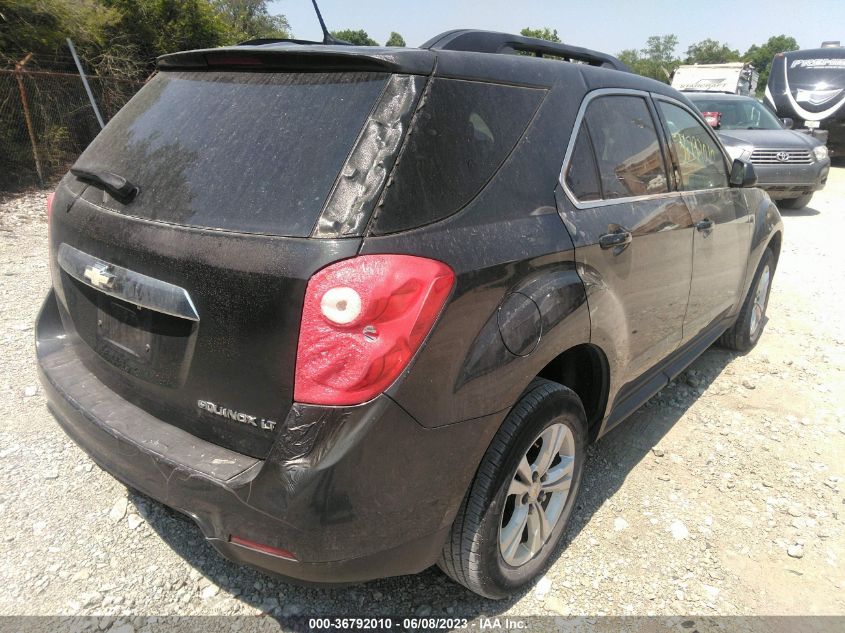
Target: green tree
[631, 57]
[761, 56]
[251, 19]
[710, 52]
[657, 60]
[41, 26]
[125, 36]
[544, 33]
[359, 37]
[157, 27]
[395, 39]
[660, 51]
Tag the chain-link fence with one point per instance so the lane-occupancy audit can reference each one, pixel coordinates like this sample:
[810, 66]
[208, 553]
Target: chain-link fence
[46, 120]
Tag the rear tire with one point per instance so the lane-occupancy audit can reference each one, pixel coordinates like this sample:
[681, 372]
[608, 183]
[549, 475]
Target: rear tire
[515, 511]
[743, 335]
[794, 204]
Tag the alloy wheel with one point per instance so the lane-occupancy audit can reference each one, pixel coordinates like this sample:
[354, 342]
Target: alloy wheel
[537, 495]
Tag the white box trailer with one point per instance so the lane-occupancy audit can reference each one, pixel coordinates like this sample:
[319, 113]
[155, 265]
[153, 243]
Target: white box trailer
[736, 77]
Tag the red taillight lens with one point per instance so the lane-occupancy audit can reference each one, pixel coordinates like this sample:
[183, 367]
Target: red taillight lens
[50, 197]
[362, 322]
[260, 547]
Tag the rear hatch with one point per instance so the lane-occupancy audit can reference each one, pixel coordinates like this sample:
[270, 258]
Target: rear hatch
[186, 300]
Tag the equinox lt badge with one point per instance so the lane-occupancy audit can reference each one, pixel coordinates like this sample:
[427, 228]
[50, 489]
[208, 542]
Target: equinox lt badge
[237, 416]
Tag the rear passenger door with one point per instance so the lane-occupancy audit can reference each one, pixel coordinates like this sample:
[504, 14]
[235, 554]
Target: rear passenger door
[633, 236]
[723, 224]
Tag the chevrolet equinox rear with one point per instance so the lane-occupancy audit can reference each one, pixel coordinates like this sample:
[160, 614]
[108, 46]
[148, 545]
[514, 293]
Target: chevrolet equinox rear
[359, 311]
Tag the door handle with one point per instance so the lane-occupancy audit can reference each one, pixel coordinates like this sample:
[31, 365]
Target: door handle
[617, 238]
[704, 225]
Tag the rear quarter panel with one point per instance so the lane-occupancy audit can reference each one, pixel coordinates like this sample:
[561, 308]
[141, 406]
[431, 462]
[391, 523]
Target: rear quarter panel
[509, 239]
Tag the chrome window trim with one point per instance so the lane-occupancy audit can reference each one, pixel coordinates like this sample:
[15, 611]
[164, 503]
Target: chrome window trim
[128, 285]
[589, 97]
[662, 137]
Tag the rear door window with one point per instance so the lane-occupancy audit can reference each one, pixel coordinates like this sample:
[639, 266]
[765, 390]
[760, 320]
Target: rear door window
[700, 161]
[240, 151]
[628, 153]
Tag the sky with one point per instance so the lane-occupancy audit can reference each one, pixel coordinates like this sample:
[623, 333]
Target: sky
[606, 25]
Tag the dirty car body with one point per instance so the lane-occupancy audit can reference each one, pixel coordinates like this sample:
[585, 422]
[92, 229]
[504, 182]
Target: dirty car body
[182, 343]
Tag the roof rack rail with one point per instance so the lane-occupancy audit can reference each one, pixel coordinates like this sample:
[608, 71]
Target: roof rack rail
[495, 42]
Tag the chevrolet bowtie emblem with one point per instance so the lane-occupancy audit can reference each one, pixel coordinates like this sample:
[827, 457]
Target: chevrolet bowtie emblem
[99, 275]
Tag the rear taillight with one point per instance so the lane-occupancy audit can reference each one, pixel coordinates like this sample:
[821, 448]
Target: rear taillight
[362, 321]
[260, 547]
[50, 197]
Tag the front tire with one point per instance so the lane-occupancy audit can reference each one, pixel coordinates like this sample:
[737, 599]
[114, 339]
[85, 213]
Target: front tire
[743, 335]
[520, 501]
[795, 204]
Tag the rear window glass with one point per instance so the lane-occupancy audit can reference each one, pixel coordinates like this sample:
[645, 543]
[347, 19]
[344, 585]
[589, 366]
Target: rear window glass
[463, 132]
[250, 152]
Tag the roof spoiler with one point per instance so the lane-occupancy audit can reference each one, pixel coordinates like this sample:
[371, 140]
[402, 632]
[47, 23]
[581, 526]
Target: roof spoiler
[291, 57]
[495, 42]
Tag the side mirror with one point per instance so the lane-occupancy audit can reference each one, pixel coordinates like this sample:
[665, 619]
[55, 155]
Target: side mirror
[788, 123]
[743, 174]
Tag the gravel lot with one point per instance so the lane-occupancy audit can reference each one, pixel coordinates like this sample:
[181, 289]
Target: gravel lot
[723, 495]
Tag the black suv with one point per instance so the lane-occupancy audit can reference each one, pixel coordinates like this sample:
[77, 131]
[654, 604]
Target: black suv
[357, 311]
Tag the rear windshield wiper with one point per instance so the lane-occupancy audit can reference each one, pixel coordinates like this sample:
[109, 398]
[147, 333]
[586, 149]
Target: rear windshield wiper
[120, 188]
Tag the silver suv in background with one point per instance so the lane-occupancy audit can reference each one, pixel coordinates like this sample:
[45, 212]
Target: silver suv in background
[790, 165]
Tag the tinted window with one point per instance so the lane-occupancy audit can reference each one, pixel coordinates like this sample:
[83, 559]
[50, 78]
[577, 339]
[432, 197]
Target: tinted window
[581, 175]
[700, 160]
[252, 152]
[628, 154]
[462, 133]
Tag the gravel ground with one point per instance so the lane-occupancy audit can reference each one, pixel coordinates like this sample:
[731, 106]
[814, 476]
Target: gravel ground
[722, 495]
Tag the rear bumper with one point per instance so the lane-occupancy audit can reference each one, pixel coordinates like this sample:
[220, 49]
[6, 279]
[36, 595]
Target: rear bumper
[791, 181]
[374, 497]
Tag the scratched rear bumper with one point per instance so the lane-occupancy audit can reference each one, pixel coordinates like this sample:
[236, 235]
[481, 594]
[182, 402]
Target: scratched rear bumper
[353, 492]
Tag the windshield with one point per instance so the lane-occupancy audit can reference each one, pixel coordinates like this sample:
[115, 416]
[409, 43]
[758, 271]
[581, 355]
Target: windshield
[739, 114]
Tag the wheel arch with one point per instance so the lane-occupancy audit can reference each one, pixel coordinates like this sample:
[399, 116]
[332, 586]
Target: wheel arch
[584, 368]
[768, 232]
[775, 244]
